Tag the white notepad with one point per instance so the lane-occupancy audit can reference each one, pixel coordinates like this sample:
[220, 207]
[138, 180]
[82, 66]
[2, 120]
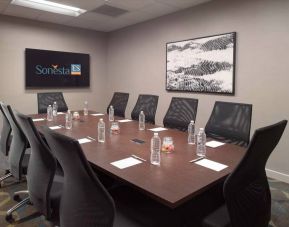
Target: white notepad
[59, 113]
[211, 164]
[124, 120]
[97, 114]
[158, 129]
[38, 119]
[84, 140]
[127, 162]
[55, 127]
[214, 144]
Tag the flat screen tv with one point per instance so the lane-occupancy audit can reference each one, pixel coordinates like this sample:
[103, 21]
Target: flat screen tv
[46, 68]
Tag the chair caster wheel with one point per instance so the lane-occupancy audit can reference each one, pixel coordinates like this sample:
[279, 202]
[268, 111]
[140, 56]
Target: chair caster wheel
[16, 198]
[9, 218]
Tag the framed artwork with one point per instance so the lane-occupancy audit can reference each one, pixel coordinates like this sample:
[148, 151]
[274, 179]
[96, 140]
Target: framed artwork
[204, 64]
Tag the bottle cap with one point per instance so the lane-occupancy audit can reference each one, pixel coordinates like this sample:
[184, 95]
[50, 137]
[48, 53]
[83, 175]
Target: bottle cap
[141, 111]
[201, 129]
[100, 119]
[156, 134]
[192, 121]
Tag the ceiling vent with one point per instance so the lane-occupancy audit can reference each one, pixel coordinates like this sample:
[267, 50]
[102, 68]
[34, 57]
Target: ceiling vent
[109, 11]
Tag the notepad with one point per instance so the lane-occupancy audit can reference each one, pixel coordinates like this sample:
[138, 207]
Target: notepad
[84, 140]
[38, 119]
[124, 120]
[55, 127]
[97, 114]
[211, 164]
[158, 129]
[59, 113]
[127, 162]
[214, 144]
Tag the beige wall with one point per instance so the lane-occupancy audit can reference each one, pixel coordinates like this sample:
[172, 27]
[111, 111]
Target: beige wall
[18, 34]
[137, 61]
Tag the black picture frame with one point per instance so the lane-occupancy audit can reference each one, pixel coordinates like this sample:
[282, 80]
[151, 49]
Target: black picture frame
[203, 65]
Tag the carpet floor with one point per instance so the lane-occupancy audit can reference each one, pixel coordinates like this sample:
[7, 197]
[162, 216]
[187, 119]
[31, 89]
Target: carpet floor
[27, 216]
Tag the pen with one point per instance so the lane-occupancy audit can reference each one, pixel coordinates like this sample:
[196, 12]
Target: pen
[90, 138]
[197, 159]
[137, 157]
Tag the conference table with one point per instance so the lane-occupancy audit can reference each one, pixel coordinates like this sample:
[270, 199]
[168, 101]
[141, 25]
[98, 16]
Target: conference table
[173, 182]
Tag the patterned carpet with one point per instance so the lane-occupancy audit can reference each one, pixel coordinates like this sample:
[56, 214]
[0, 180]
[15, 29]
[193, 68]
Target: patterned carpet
[27, 217]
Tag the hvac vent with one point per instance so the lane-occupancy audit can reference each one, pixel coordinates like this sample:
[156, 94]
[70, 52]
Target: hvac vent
[109, 11]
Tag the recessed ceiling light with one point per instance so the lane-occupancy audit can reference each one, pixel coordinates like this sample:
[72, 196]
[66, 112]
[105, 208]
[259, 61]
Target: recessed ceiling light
[50, 7]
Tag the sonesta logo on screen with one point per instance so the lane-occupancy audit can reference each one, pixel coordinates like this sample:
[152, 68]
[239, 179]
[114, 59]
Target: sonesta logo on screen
[74, 70]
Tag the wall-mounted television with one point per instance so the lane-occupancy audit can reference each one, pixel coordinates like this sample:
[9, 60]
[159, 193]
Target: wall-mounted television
[46, 68]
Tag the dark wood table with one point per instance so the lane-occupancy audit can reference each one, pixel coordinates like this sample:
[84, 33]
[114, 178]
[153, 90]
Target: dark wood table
[172, 183]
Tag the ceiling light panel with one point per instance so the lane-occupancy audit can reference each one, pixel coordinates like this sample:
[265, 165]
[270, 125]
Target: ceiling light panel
[50, 7]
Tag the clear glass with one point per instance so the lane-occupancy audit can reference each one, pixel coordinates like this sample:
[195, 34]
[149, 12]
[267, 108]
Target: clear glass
[54, 109]
[111, 113]
[101, 131]
[155, 150]
[68, 120]
[141, 121]
[49, 113]
[168, 144]
[201, 143]
[85, 109]
[191, 133]
[114, 129]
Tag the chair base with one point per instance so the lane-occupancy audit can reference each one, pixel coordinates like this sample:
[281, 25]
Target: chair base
[5, 177]
[24, 202]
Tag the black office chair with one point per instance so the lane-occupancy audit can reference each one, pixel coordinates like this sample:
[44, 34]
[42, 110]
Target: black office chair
[5, 141]
[246, 189]
[230, 122]
[119, 103]
[85, 201]
[44, 186]
[18, 156]
[148, 104]
[46, 99]
[180, 113]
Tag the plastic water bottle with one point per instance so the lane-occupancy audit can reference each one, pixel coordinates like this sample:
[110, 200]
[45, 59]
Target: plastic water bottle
[111, 113]
[156, 149]
[54, 109]
[101, 131]
[68, 120]
[191, 133]
[201, 143]
[141, 121]
[49, 113]
[85, 109]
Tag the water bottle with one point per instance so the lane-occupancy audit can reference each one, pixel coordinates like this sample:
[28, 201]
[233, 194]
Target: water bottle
[111, 113]
[49, 113]
[101, 131]
[191, 133]
[201, 143]
[85, 109]
[68, 120]
[141, 121]
[54, 109]
[155, 149]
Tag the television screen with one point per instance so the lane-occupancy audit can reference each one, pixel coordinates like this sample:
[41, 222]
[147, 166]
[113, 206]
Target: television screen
[45, 68]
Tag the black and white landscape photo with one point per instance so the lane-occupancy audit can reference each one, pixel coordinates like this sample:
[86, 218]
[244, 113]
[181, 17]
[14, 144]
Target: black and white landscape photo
[202, 65]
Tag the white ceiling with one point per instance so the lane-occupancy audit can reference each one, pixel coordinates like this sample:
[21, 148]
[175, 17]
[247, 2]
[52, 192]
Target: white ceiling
[139, 11]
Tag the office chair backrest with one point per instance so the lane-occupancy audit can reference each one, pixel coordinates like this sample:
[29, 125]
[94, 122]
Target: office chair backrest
[85, 201]
[119, 103]
[180, 113]
[5, 134]
[246, 190]
[230, 122]
[18, 145]
[148, 104]
[46, 99]
[41, 168]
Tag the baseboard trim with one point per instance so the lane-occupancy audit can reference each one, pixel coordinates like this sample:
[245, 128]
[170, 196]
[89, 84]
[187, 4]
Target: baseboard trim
[277, 175]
